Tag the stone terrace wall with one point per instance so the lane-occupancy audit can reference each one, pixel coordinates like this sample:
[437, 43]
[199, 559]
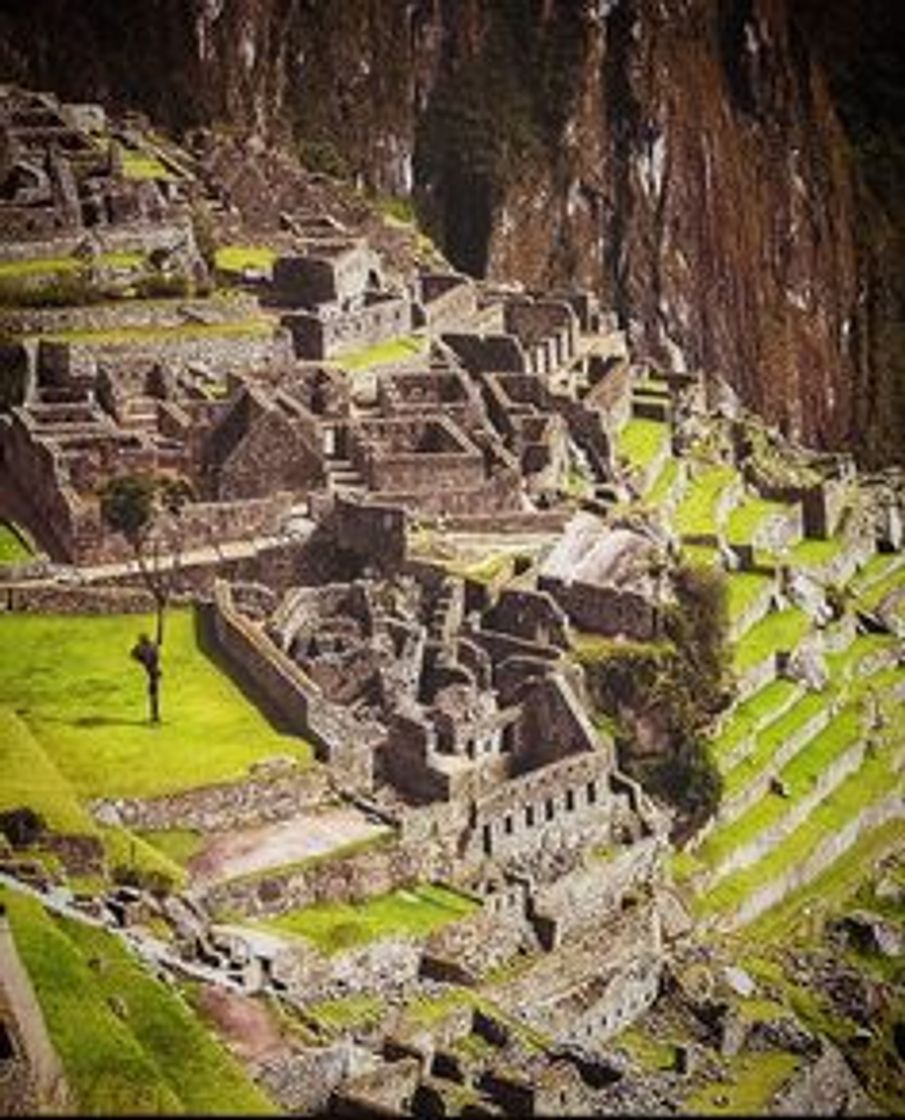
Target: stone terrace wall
[222, 807]
[800, 874]
[829, 778]
[375, 870]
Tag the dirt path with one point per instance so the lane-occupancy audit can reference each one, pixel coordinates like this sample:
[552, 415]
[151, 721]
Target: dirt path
[246, 1025]
[250, 850]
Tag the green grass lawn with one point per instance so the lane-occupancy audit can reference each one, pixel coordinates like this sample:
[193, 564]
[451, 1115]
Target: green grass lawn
[696, 514]
[814, 553]
[416, 911]
[71, 681]
[743, 589]
[664, 483]
[14, 548]
[641, 440]
[703, 555]
[393, 350]
[177, 844]
[748, 516]
[157, 1058]
[183, 332]
[30, 778]
[48, 266]
[846, 661]
[144, 165]
[236, 258]
[779, 630]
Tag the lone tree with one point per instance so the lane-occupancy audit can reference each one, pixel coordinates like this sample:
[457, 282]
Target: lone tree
[145, 509]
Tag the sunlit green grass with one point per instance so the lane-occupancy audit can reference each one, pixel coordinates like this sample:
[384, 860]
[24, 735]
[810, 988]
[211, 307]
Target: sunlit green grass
[829, 890]
[868, 784]
[47, 266]
[777, 631]
[418, 911]
[743, 589]
[640, 441]
[144, 165]
[877, 592]
[236, 258]
[696, 514]
[183, 332]
[771, 739]
[814, 553]
[662, 487]
[72, 682]
[880, 565]
[177, 844]
[31, 779]
[749, 515]
[752, 714]
[382, 353]
[349, 1013]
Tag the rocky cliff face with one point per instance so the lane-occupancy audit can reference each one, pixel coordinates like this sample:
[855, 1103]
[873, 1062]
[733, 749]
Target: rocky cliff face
[702, 163]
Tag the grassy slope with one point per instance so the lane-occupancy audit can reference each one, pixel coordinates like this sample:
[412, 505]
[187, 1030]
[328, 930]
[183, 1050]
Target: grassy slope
[71, 681]
[157, 1058]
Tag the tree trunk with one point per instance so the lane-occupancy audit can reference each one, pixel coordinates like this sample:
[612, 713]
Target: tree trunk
[154, 697]
[161, 606]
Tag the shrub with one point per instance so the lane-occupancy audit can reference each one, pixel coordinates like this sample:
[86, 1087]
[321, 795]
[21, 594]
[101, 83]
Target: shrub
[22, 826]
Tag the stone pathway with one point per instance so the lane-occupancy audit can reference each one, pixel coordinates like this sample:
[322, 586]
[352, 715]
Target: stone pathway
[250, 850]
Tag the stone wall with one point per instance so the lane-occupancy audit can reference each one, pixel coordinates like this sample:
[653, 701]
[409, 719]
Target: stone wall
[48, 598]
[575, 903]
[447, 299]
[220, 808]
[302, 1081]
[134, 237]
[562, 805]
[375, 870]
[604, 610]
[386, 968]
[339, 738]
[487, 353]
[127, 313]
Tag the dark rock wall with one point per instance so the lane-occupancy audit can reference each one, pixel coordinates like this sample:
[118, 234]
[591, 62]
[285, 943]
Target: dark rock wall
[710, 166]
